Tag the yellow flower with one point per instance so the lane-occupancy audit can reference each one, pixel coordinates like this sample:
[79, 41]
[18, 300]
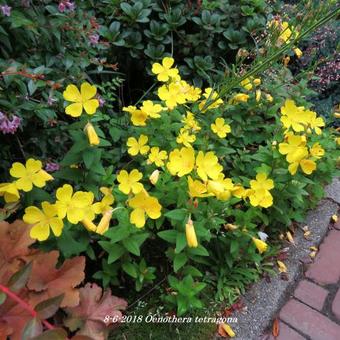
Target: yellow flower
[262, 182]
[10, 192]
[190, 122]
[73, 205]
[317, 151]
[260, 245]
[29, 175]
[193, 94]
[191, 234]
[129, 182]
[43, 220]
[104, 223]
[152, 110]
[211, 97]
[257, 81]
[221, 187]
[89, 225]
[295, 148]
[81, 100]
[293, 116]
[138, 117]
[105, 203]
[239, 98]
[238, 191]
[142, 205]
[154, 177]
[181, 162]
[208, 166]
[197, 188]
[228, 330]
[185, 138]
[315, 123]
[260, 197]
[164, 71]
[220, 128]
[246, 84]
[307, 166]
[91, 134]
[172, 95]
[136, 147]
[156, 156]
[298, 52]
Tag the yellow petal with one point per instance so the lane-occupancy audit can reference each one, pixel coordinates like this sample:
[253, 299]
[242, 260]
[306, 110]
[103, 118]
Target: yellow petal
[33, 215]
[40, 231]
[72, 94]
[228, 330]
[87, 91]
[137, 217]
[74, 110]
[90, 106]
[17, 170]
[168, 62]
[307, 166]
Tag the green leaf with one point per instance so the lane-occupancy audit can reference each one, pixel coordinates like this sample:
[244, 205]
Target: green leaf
[168, 235]
[48, 308]
[53, 334]
[119, 233]
[115, 251]
[130, 269]
[3, 297]
[177, 214]
[32, 328]
[132, 246]
[200, 250]
[181, 242]
[179, 261]
[20, 278]
[88, 157]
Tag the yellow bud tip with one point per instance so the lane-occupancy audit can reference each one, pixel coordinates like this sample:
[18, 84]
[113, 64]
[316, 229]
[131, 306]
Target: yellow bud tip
[336, 114]
[104, 223]
[91, 134]
[154, 177]
[191, 234]
[89, 225]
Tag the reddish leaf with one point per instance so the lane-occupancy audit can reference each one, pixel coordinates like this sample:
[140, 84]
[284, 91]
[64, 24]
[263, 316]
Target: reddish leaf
[32, 328]
[46, 281]
[48, 308]
[53, 334]
[93, 308]
[276, 329]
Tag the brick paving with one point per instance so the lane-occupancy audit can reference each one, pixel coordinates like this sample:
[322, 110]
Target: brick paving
[313, 310]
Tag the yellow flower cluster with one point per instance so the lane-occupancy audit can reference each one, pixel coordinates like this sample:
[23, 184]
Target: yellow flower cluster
[75, 207]
[297, 119]
[28, 175]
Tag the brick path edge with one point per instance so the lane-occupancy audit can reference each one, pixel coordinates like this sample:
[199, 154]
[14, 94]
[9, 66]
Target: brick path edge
[265, 299]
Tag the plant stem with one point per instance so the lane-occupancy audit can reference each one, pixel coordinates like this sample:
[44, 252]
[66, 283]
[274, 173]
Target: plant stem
[24, 305]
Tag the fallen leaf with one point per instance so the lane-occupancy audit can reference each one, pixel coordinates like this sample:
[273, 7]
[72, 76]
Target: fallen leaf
[276, 328]
[312, 254]
[93, 307]
[225, 330]
[290, 237]
[313, 248]
[306, 234]
[282, 267]
[305, 228]
[334, 218]
[47, 282]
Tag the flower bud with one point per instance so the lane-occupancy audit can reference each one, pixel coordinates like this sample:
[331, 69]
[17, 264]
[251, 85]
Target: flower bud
[269, 97]
[89, 225]
[258, 95]
[191, 234]
[230, 226]
[337, 114]
[154, 177]
[104, 223]
[91, 134]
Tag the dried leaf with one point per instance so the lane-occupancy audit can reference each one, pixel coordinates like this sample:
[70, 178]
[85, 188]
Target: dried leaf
[313, 248]
[276, 328]
[53, 334]
[282, 267]
[89, 315]
[32, 328]
[306, 234]
[334, 218]
[20, 278]
[312, 254]
[46, 281]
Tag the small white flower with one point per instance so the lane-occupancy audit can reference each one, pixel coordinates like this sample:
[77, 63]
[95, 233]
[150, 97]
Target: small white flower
[263, 236]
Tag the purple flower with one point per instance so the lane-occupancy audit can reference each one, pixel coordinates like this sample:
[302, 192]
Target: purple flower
[51, 167]
[101, 101]
[9, 125]
[94, 38]
[51, 101]
[61, 7]
[70, 5]
[6, 10]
